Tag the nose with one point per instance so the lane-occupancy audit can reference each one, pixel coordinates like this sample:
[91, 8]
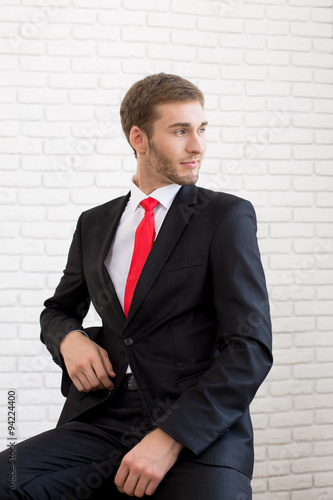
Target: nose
[196, 144]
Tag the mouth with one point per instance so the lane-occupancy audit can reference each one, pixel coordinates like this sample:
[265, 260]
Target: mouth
[190, 164]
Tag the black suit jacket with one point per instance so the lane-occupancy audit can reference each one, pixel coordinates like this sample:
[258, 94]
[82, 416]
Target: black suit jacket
[198, 333]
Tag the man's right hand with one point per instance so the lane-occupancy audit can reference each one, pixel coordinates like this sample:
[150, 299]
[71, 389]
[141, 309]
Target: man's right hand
[88, 364]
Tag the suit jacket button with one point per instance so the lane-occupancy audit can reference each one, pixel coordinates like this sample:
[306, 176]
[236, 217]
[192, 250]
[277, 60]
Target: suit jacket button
[129, 341]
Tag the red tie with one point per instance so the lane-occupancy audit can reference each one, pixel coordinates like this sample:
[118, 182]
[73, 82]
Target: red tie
[144, 239]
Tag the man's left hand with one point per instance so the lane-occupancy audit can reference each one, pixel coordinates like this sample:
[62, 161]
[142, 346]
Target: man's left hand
[143, 468]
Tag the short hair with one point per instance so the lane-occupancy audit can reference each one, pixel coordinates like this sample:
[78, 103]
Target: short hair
[138, 107]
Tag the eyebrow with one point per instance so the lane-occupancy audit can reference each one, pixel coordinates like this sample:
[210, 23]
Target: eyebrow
[185, 124]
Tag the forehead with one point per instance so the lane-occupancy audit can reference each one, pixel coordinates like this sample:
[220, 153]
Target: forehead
[180, 112]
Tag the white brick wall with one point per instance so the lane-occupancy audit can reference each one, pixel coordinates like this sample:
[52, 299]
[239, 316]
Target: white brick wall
[266, 67]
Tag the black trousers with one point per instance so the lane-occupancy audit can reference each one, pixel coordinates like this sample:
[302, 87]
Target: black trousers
[79, 460]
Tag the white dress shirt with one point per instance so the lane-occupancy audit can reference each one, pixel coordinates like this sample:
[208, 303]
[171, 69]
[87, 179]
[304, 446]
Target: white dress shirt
[119, 257]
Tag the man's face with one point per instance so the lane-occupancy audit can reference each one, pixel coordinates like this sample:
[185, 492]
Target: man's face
[178, 143]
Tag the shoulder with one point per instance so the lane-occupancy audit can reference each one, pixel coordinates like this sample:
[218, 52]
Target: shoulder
[224, 203]
[100, 212]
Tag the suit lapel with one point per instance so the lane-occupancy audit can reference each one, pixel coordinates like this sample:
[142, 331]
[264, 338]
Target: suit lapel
[174, 224]
[108, 228]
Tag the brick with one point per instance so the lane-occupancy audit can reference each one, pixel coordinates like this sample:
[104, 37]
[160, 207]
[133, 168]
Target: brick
[144, 34]
[318, 120]
[149, 5]
[43, 197]
[291, 199]
[267, 183]
[41, 96]
[324, 386]
[31, 79]
[310, 3]
[275, 436]
[246, 41]
[324, 416]
[9, 129]
[99, 4]
[323, 46]
[289, 43]
[173, 53]
[244, 73]
[312, 494]
[282, 325]
[267, 88]
[313, 60]
[292, 419]
[121, 17]
[25, 348]
[265, 27]
[292, 167]
[289, 451]
[8, 63]
[275, 404]
[311, 402]
[290, 483]
[290, 74]
[308, 465]
[96, 65]
[312, 30]
[164, 20]
[312, 183]
[98, 32]
[70, 48]
[53, 65]
[69, 113]
[314, 214]
[323, 168]
[325, 292]
[180, 37]
[7, 364]
[220, 25]
[282, 13]
[324, 15]
[267, 57]
[48, 230]
[312, 90]
[323, 479]
[323, 106]
[323, 76]
[291, 388]
[222, 56]
[22, 112]
[323, 448]
[24, 179]
[316, 152]
[325, 137]
[35, 129]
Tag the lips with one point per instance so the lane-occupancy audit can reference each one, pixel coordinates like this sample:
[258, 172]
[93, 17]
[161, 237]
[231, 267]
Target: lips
[190, 164]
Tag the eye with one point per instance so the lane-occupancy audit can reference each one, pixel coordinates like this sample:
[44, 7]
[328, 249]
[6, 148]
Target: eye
[180, 132]
[202, 130]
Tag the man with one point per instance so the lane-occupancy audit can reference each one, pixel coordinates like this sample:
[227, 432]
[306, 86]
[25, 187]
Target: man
[158, 397]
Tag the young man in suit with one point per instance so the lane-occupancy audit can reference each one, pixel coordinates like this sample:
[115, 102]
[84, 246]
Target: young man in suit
[158, 397]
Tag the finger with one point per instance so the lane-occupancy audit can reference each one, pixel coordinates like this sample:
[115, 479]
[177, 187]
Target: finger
[121, 477]
[130, 484]
[78, 384]
[101, 375]
[91, 380]
[107, 363]
[142, 487]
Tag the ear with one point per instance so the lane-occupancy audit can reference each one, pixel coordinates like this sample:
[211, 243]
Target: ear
[138, 140]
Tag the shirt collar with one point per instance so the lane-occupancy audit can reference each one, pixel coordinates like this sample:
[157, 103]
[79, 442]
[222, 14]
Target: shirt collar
[164, 195]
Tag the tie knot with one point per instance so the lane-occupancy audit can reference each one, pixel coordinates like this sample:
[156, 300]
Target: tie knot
[149, 203]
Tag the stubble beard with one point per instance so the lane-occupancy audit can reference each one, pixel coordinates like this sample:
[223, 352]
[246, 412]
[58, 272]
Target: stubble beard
[163, 165]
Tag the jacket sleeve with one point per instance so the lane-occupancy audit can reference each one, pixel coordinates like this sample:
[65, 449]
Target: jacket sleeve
[204, 412]
[64, 312]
